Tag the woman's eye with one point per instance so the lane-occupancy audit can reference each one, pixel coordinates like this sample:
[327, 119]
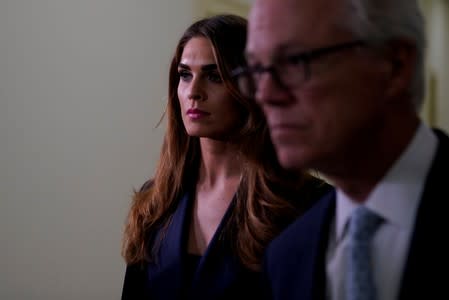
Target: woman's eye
[215, 77]
[184, 75]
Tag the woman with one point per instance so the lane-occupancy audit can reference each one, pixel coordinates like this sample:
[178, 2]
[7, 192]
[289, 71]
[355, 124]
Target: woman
[198, 229]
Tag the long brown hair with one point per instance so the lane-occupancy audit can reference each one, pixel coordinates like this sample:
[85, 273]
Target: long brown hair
[262, 206]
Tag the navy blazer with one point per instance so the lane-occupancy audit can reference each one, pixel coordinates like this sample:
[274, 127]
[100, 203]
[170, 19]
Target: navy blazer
[294, 264]
[219, 274]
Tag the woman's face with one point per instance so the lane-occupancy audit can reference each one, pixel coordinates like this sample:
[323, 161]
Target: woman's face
[207, 108]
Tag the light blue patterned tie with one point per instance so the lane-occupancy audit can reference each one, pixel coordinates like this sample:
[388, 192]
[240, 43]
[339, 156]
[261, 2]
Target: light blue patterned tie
[359, 279]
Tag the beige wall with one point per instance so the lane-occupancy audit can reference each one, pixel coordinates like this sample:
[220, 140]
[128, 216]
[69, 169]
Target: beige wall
[211, 7]
[82, 85]
[436, 109]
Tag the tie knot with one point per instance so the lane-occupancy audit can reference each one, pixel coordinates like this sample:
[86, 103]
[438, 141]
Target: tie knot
[364, 223]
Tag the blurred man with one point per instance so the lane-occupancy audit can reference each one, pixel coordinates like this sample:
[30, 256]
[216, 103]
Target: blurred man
[341, 83]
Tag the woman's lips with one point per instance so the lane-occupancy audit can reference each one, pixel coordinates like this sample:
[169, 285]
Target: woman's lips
[196, 114]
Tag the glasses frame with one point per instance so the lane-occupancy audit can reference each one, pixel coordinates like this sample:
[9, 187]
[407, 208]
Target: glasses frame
[303, 57]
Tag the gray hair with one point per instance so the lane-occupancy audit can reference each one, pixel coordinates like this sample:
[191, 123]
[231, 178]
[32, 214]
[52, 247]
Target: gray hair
[378, 21]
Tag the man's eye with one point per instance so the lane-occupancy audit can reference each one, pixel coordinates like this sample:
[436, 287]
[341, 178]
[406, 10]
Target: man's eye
[294, 59]
[255, 71]
[184, 75]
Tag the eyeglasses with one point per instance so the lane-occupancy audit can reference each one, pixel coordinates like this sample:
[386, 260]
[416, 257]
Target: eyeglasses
[288, 72]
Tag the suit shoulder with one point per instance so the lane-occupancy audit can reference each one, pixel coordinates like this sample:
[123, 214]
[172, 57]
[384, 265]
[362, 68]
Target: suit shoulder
[311, 222]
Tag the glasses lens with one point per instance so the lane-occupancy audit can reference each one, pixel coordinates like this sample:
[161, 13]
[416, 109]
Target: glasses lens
[287, 75]
[292, 74]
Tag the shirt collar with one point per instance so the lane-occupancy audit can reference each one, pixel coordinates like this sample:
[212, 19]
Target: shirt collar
[404, 183]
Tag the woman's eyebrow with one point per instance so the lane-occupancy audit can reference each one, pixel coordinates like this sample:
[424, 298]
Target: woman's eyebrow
[183, 66]
[208, 67]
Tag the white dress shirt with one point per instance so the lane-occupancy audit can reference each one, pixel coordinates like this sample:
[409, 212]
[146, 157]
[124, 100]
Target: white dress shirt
[396, 198]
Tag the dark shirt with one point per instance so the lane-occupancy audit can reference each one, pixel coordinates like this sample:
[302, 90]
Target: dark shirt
[191, 265]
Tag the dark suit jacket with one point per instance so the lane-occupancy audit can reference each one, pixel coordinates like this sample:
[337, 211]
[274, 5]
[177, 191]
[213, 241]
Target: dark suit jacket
[294, 264]
[219, 274]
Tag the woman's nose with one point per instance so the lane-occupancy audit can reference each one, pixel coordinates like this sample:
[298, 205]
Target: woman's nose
[196, 91]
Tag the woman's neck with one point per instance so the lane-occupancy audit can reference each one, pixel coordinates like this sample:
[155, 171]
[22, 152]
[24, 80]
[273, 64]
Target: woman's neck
[220, 161]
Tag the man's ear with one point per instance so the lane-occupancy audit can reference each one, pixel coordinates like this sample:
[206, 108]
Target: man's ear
[403, 57]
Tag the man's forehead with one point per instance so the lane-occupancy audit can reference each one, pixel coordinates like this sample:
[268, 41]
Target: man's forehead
[269, 12]
[278, 13]
[267, 21]
[300, 22]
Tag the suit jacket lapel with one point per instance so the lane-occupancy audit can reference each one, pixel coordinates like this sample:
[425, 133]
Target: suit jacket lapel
[310, 234]
[427, 251]
[324, 216]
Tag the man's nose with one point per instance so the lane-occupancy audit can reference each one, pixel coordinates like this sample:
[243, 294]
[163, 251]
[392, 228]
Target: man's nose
[269, 90]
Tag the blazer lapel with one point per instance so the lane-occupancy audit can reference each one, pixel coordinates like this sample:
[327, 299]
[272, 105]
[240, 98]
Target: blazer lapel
[166, 272]
[217, 266]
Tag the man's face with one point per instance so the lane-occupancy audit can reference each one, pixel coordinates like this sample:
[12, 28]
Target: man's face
[322, 121]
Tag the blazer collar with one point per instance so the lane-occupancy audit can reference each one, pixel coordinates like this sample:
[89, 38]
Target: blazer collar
[169, 267]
